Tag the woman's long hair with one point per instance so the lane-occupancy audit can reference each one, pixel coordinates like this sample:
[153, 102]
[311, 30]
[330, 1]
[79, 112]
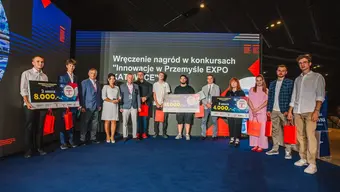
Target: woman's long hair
[238, 87]
[109, 76]
[264, 86]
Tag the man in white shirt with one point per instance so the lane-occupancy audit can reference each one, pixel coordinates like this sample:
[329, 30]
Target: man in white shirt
[160, 90]
[308, 95]
[33, 133]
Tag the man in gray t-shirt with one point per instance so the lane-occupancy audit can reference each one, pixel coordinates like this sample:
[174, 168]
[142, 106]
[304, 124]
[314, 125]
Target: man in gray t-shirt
[160, 90]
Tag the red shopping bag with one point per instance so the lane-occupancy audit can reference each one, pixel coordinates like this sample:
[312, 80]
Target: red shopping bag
[159, 116]
[289, 134]
[269, 128]
[254, 128]
[200, 114]
[49, 122]
[144, 110]
[68, 119]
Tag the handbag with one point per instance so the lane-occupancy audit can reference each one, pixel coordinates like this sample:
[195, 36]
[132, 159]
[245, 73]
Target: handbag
[159, 115]
[144, 110]
[290, 134]
[200, 114]
[254, 128]
[269, 128]
[68, 119]
[49, 122]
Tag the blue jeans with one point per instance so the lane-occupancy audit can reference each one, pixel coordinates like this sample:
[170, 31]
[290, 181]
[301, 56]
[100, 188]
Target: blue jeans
[143, 124]
[68, 132]
[205, 121]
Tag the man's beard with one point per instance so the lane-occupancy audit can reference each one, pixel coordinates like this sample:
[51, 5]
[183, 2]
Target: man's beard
[183, 83]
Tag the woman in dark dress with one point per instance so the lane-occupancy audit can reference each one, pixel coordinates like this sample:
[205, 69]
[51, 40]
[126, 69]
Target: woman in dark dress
[235, 124]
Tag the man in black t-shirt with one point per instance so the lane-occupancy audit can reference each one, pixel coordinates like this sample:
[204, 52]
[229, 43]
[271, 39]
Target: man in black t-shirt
[184, 118]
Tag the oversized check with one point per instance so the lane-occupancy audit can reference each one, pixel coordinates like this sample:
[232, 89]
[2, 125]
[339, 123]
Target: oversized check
[236, 107]
[182, 103]
[45, 95]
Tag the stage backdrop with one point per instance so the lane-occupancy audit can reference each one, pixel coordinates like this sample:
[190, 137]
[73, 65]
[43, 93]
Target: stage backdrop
[224, 55]
[27, 28]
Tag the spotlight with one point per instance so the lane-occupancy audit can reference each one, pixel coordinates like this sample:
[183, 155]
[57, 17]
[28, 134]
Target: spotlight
[272, 25]
[279, 22]
[326, 74]
[202, 5]
[267, 27]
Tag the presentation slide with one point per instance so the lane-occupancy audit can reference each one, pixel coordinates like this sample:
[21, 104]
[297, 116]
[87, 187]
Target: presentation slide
[224, 55]
[27, 28]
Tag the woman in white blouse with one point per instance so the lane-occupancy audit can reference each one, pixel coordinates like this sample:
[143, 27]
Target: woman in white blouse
[111, 97]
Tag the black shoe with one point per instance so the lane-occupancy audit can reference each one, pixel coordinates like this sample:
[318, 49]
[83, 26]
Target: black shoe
[41, 152]
[73, 145]
[95, 141]
[28, 154]
[231, 142]
[125, 139]
[203, 138]
[82, 143]
[214, 138]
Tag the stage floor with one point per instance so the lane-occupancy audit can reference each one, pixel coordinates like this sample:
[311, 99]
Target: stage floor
[163, 165]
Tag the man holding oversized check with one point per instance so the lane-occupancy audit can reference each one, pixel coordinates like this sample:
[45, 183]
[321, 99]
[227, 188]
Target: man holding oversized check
[184, 103]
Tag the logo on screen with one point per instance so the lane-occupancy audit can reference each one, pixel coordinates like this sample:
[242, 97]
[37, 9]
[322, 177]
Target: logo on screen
[242, 104]
[62, 34]
[251, 49]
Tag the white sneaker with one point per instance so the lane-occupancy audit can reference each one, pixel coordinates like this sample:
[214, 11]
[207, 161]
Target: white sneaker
[311, 169]
[178, 137]
[301, 162]
[272, 152]
[288, 155]
[187, 137]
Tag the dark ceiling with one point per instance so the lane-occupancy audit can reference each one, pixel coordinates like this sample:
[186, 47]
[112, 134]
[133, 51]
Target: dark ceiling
[306, 24]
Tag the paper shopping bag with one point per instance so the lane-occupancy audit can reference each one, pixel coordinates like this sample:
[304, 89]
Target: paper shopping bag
[49, 123]
[290, 134]
[253, 128]
[68, 119]
[144, 110]
[269, 128]
[200, 114]
[159, 116]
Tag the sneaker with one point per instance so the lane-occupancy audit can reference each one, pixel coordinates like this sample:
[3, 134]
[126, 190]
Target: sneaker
[301, 162]
[63, 146]
[187, 137]
[144, 136]
[231, 141]
[288, 155]
[272, 152]
[165, 136]
[311, 169]
[178, 137]
[155, 135]
[73, 145]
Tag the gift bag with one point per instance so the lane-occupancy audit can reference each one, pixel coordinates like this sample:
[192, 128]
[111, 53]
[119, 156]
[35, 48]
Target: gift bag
[269, 128]
[254, 128]
[144, 110]
[200, 114]
[49, 122]
[68, 119]
[289, 134]
[159, 116]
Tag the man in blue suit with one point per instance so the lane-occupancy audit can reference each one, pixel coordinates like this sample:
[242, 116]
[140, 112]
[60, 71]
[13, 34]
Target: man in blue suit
[91, 103]
[67, 78]
[130, 103]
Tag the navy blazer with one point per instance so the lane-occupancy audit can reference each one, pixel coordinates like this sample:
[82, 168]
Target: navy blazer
[126, 102]
[91, 98]
[285, 95]
[65, 79]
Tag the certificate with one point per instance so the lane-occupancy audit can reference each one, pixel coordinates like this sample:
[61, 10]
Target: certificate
[181, 103]
[236, 107]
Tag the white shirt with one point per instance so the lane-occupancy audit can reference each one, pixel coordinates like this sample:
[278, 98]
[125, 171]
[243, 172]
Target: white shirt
[277, 93]
[307, 90]
[71, 77]
[30, 75]
[94, 84]
[130, 86]
[161, 90]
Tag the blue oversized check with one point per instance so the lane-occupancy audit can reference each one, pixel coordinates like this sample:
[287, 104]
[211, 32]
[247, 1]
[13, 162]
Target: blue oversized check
[236, 107]
[181, 103]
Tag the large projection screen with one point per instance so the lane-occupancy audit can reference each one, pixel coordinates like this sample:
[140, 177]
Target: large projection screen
[225, 55]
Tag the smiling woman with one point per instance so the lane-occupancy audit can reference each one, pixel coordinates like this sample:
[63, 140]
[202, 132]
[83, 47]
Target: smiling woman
[4, 41]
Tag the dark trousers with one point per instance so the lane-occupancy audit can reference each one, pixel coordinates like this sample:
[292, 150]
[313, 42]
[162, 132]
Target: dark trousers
[34, 122]
[165, 123]
[235, 127]
[90, 123]
[143, 124]
[68, 132]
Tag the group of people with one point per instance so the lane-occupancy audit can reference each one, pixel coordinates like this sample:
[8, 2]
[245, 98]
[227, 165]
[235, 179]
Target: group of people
[297, 102]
